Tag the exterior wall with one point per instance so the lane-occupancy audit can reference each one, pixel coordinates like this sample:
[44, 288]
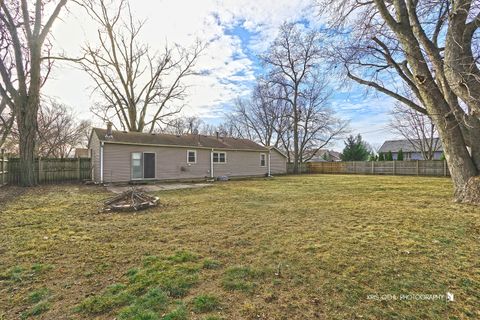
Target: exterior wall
[94, 149]
[437, 155]
[171, 163]
[241, 163]
[278, 163]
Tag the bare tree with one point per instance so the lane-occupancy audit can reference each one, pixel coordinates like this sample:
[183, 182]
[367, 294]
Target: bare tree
[257, 117]
[431, 48]
[139, 88]
[24, 48]
[291, 59]
[417, 128]
[59, 133]
[293, 63]
[183, 125]
[318, 125]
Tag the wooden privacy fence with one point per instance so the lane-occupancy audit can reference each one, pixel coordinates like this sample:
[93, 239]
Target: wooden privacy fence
[435, 168]
[53, 170]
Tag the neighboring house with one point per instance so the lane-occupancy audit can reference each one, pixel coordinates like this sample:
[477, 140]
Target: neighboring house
[81, 153]
[410, 150]
[324, 155]
[130, 156]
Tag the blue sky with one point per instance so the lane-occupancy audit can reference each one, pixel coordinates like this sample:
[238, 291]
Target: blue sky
[237, 32]
[367, 111]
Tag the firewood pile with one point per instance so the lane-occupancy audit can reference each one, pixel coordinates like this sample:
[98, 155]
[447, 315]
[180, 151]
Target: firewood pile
[131, 200]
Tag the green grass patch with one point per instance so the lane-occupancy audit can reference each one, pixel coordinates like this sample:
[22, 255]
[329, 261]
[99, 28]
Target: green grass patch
[211, 264]
[205, 303]
[36, 310]
[151, 290]
[18, 274]
[242, 278]
[38, 295]
[179, 313]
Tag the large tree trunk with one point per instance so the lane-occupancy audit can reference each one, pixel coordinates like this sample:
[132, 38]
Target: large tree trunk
[295, 136]
[461, 165]
[27, 111]
[438, 102]
[27, 129]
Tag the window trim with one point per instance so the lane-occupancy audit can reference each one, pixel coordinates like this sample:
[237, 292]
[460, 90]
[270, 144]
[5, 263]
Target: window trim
[188, 156]
[218, 158]
[264, 155]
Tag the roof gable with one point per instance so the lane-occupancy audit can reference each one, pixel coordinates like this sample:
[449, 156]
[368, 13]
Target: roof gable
[406, 145]
[191, 140]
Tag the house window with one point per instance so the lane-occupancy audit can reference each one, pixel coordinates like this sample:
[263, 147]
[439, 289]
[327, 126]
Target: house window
[137, 165]
[263, 159]
[191, 156]
[219, 157]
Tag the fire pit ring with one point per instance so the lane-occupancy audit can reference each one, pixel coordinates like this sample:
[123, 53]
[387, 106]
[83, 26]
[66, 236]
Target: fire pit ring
[134, 199]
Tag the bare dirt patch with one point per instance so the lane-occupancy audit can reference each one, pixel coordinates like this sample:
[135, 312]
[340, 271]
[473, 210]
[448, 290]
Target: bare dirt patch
[9, 193]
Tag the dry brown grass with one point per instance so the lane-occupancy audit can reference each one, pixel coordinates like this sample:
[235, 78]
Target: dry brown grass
[299, 247]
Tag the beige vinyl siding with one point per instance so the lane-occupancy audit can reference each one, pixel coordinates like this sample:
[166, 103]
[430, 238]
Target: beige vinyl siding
[170, 162]
[241, 163]
[94, 150]
[278, 163]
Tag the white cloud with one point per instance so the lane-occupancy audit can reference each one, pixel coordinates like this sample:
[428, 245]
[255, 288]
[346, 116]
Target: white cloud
[182, 21]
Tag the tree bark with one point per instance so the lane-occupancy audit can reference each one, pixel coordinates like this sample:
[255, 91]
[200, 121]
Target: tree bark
[27, 129]
[461, 164]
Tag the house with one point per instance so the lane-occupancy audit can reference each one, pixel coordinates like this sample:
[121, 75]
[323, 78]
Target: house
[411, 149]
[81, 153]
[325, 155]
[119, 156]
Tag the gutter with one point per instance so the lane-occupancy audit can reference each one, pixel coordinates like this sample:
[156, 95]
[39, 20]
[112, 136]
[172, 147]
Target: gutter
[181, 146]
[101, 161]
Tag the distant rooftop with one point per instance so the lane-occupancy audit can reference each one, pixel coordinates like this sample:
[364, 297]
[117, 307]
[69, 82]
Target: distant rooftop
[407, 146]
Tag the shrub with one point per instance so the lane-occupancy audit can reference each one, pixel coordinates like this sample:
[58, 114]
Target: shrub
[400, 155]
[389, 156]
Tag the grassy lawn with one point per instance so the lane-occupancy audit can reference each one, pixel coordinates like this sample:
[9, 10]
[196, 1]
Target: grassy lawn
[294, 247]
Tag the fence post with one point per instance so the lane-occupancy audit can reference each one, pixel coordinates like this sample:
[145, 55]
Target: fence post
[444, 168]
[394, 167]
[40, 169]
[373, 167]
[79, 169]
[418, 168]
[3, 166]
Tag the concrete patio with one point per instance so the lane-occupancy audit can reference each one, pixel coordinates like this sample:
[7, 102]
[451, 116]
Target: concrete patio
[159, 187]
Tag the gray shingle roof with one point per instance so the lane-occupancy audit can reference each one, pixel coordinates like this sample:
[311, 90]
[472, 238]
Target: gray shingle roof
[406, 146]
[190, 140]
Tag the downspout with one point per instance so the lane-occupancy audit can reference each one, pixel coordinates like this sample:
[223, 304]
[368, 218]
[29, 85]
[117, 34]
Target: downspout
[101, 162]
[211, 164]
[269, 158]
